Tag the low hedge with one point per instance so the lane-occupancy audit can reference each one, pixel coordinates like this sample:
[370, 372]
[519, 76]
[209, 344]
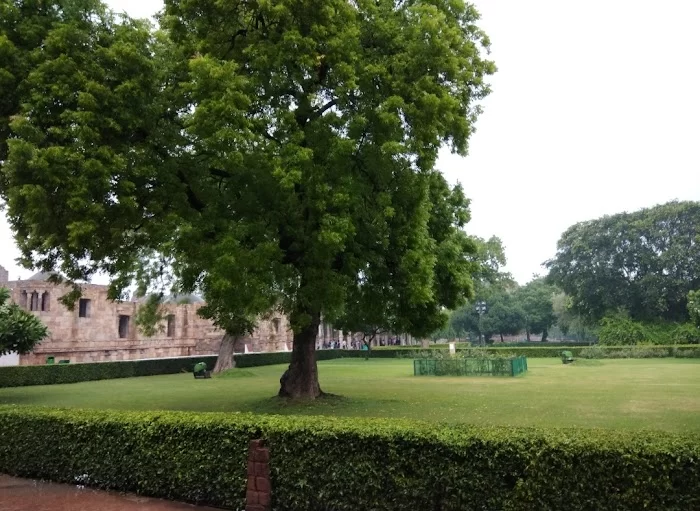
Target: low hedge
[681, 351]
[344, 464]
[20, 376]
[640, 352]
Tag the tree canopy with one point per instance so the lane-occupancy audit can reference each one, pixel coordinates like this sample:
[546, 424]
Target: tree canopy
[644, 263]
[536, 302]
[20, 330]
[265, 154]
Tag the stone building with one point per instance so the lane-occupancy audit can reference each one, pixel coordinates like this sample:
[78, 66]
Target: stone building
[99, 330]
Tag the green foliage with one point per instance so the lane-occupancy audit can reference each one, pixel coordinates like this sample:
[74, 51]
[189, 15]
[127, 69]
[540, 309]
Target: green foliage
[182, 457]
[620, 329]
[19, 376]
[694, 307]
[490, 258]
[644, 263]
[535, 301]
[469, 366]
[20, 330]
[647, 351]
[285, 158]
[543, 351]
[385, 465]
[505, 316]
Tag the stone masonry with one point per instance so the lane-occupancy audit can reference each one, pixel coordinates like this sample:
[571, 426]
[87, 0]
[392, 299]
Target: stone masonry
[98, 329]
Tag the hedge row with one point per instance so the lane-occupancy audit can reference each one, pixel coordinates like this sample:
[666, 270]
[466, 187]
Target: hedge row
[20, 376]
[346, 464]
[489, 344]
[681, 351]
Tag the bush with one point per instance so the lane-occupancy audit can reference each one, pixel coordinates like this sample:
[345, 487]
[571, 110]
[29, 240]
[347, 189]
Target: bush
[626, 352]
[347, 464]
[620, 330]
[19, 376]
[687, 333]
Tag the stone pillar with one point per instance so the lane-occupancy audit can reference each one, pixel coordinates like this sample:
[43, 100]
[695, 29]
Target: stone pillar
[259, 492]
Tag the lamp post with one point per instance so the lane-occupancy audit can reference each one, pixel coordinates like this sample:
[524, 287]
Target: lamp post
[480, 309]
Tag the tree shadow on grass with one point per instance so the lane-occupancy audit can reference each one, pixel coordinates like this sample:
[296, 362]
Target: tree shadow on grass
[327, 404]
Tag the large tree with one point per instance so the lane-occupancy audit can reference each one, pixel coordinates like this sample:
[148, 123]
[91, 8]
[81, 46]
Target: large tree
[266, 154]
[644, 263]
[20, 330]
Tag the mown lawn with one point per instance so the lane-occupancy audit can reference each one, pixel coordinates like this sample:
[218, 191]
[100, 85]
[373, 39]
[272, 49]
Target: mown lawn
[626, 394]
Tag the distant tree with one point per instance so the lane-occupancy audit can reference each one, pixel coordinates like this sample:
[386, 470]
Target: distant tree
[644, 263]
[490, 282]
[489, 259]
[504, 316]
[20, 330]
[570, 323]
[535, 301]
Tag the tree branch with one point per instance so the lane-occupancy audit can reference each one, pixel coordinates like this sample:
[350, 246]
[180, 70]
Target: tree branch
[323, 109]
[193, 200]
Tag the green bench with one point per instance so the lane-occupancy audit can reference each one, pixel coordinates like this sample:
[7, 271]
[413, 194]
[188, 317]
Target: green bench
[200, 370]
[567, 357]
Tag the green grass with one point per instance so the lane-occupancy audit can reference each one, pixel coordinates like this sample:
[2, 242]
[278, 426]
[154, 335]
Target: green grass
[662, 394]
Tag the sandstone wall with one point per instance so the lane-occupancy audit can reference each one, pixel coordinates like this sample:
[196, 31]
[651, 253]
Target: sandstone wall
[92, 333]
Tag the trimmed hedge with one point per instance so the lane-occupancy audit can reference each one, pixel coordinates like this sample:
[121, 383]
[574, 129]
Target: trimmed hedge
[20, 376]
[652, 351]
[344, 464]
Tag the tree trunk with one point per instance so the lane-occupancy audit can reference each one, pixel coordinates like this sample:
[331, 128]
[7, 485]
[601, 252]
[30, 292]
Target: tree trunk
[528, 334]
[501, 337]
[225, 361]
[544, 335]
[300, 381]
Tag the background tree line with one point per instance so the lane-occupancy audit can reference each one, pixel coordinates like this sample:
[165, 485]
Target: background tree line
[627, 278]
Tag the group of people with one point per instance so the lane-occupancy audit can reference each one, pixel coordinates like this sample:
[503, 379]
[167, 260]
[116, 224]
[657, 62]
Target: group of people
[355, 344]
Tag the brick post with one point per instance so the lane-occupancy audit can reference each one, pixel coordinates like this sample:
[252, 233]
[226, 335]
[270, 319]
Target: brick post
[258, 494]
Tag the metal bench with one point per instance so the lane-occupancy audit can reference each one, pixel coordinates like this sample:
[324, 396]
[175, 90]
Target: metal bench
[200, 371]
[567, 357]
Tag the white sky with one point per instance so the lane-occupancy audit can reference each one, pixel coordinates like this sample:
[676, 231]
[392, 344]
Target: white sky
[595, 110]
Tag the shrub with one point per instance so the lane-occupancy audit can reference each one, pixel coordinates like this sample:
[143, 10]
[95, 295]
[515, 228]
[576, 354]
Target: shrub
[19, 376]
[620, 330]
[627, 352]
[343, 464]
[687, 333]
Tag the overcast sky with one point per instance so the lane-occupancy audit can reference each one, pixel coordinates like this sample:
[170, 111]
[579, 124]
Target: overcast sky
[595, 110]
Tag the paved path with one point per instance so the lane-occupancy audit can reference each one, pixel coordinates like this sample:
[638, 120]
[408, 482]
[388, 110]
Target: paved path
[29, 495]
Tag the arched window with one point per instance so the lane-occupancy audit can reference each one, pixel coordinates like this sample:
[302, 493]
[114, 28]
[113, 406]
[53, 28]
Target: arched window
[34, 301]
[45, 300]
[23, 299]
